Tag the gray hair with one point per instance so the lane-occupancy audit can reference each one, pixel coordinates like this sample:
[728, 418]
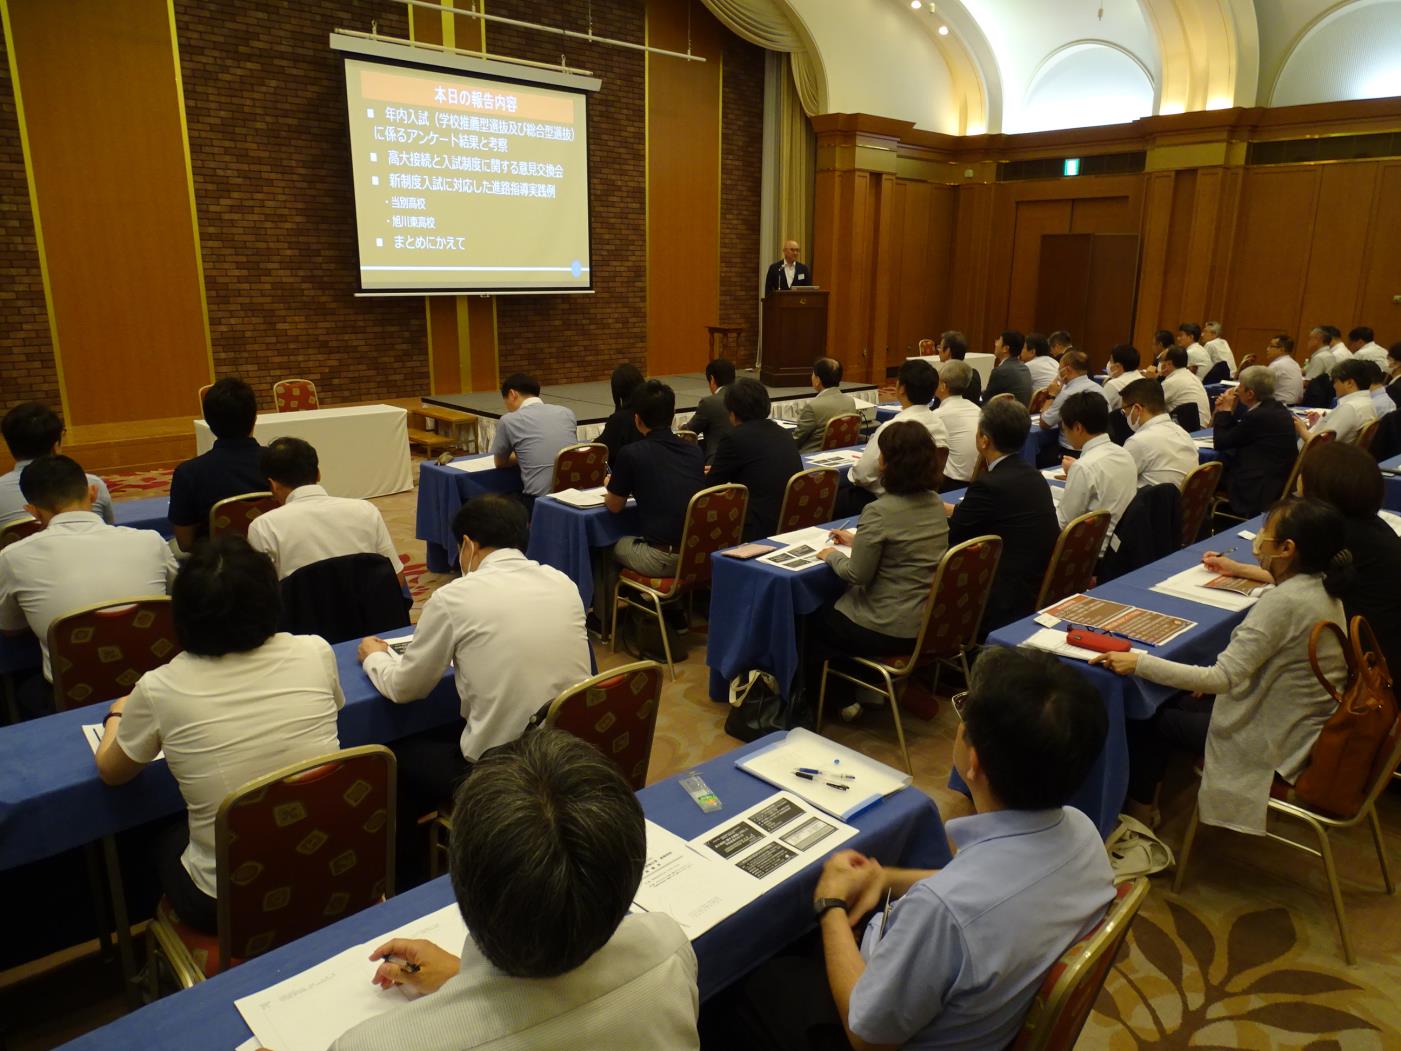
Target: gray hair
[956, 375]
[1259, 380]
[1215, 326]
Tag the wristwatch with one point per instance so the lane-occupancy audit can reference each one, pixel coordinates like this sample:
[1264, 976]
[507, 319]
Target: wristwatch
[822, 906]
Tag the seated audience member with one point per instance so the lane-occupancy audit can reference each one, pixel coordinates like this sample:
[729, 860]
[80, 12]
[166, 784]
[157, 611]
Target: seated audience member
[232, 466]
[914, 389]
[1181, 386]
[1189, 335]
[1105, 477]
[1011, 500]
[890, 559]
[311, 525]
[1337, 345]
[1254, 434]
[961, 952]
[1074, 378]
[1060, 342]
[1321, 357]
[756, 453]
[1393, 370]
[1363, 344]
[548, 846]
[619, 430]
[662, 472]
[1349, 480]
[76, 560]
[1376, 386]
[1123, 370]
[239, 702]
[513, 633]
[954, 347]
[1354, 409]
[32, 430]
[960, 419]
[1036, 354]
[531, 434]
[1162, 451]
[1269, 705]
[1217, 349]
[1163, 340]
[1010, 374]
[827, 404]
[711, 419]
[1288, 376]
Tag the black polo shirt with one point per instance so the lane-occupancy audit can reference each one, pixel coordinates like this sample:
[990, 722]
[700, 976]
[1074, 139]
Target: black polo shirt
[230, 468]
[662, 473]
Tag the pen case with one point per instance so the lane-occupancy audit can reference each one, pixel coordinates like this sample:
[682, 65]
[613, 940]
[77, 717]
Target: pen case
[1093, 640]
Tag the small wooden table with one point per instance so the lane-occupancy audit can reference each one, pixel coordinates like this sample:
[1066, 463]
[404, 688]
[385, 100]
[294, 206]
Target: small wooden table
[721, 336]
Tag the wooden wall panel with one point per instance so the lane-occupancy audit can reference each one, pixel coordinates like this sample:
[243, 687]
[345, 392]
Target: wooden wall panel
[1033, 218]
[1103, 215]
[1333, 282]
[107, 154]
[1381, 275]
[1177, 259]
[923, 225]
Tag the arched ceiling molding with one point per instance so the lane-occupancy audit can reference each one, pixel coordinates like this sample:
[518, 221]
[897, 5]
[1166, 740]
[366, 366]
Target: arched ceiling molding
[1320, 20]
[1056, 58]
[772, 24]
[1194, 36]
[973, 63]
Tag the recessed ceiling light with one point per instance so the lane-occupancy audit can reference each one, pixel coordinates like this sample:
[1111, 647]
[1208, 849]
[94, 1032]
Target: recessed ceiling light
[943, 30]
[915, 5]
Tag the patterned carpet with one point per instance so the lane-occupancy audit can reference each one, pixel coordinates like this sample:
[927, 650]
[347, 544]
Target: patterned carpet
[138, 485]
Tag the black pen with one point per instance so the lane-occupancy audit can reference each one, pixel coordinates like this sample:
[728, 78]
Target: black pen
[404, 965]
[813, 777]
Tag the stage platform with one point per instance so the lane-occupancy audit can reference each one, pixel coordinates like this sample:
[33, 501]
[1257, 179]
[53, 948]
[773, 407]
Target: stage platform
[592, 403]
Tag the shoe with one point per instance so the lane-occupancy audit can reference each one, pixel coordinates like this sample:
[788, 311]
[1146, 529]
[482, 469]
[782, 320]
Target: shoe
[851, 711]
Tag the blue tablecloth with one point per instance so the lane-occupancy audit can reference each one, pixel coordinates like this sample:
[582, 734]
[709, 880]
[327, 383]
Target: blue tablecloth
[844, 471]
[886, 411]
[562, 536]
[1392, 496]
[441, 491]
[151, 513]
[51, 798]
[903, 830]
[1040, 439]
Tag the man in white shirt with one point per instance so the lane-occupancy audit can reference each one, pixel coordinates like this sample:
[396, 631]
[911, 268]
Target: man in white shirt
[77, 560]
[1124, 361]
[1336, 344]
[33, 430]
[914, 389]
[1217, 348]
[1321, 358]
[1181, 387]
[312, 525]
[1074, 379]
[1363, 344]
[960, 419]
[1161, 450]
[1036, 354]
[1289, 377]
[1354, 409]
[1105, 477]
[1188, 337]
[513, 632]
[1376, 384]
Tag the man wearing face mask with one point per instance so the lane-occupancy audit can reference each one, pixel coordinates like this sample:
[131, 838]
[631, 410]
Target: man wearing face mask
[513, 632]
[1163, 451]
[1074, 377]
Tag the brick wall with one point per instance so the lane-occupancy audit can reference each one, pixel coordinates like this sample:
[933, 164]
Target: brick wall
[265, 105]
[741, 152]
[27, 371]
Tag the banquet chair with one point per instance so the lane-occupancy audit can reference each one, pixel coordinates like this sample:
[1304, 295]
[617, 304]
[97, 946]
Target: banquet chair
[714, 520]
[1069, 990]
[841, 431]
[1220, 509]
[1367, 435]
[1198, 490]
[236, 513]
[202, 392]
[1218, 372]
[689, 436]
[809, 500]
[294, 395]
[96, 654]
[1039, 398]
[18, 530]
[295, 851]
[583, 466]
[1004, 394]
[1073, 559]
[1188, 417]
[948, 629]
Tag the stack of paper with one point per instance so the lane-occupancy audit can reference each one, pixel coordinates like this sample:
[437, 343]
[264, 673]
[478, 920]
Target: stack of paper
[772, 840]
[869, 780]
[801, 547]
[837, 457]
[1191, 584]
[92, 733]
[1052, 640]
[582, 498]
[474, 464]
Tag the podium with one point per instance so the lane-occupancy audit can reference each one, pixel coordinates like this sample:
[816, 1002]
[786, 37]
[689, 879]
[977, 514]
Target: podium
[795, 335]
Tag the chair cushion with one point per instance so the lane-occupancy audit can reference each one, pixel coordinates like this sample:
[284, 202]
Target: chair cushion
[662, 584]
[204, 948]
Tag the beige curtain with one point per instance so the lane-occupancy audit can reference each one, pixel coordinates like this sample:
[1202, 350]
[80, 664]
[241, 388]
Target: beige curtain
[766, 23]
[797, 163]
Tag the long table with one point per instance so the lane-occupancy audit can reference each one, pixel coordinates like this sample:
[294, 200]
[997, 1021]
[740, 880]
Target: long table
[152, 512]
[1392, 495]
[903, 829]
[441, 491]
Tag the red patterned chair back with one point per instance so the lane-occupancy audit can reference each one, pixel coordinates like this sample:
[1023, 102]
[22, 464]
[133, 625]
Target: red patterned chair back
[97, 654]
[202, 392]
[294, 395]
[714, 521]
[689, 436]
[998, 397]
[1068, 992]
[957, 598]
[18, 530]
[580, 467]
[1367, 434]
[615, 712]
[1312, 442]
[1073, 559]
[303, 847]
[1198, 489]
[809, 500]
[236, 514]
[842, 431]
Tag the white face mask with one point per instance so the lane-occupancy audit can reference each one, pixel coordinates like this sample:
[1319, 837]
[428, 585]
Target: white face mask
[1135, 422]
[465, 554]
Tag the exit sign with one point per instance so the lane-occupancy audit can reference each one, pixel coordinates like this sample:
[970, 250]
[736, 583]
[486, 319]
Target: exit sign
[1072, 166]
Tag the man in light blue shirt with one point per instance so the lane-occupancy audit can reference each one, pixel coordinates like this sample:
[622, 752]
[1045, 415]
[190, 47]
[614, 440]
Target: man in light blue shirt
[959, 957]
[33, 430]
[1074, 377]
[531, 434]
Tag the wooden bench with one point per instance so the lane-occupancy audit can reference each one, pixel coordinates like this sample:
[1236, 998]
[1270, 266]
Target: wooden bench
[450, 436]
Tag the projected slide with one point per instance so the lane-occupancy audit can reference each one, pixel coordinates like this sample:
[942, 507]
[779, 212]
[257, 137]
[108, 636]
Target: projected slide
[465, 183]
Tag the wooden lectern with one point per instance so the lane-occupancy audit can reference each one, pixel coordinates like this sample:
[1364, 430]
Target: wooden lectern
[795, 335]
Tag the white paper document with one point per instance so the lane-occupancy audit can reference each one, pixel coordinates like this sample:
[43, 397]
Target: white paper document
[581, 497]
[1052, 640]
[867, 781]
[92, 733]
[1392, 519]
[1191, 585]
[774, 839]
[801, 547]
[836, 457]
[475, 464]
[693, 888]
[251, 1044]
[815, 535]
[308, 1011]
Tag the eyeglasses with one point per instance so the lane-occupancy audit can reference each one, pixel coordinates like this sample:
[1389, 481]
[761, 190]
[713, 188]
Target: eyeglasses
[958, 700]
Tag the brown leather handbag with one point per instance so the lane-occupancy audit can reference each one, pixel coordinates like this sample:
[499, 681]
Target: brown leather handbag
[1342, 765]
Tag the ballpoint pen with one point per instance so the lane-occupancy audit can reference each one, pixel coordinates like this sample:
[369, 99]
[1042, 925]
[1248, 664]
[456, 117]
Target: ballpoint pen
[814, 777]
[824, 773]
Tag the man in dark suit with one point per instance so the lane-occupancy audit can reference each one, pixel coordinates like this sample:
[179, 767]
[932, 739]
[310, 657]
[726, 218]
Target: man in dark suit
[1009, 374]
[1011, 500]
[787, 272]
[1254, 435]
[757, 453]
[711, 419]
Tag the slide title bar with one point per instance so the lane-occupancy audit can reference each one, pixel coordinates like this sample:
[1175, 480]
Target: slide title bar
[395, 51]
